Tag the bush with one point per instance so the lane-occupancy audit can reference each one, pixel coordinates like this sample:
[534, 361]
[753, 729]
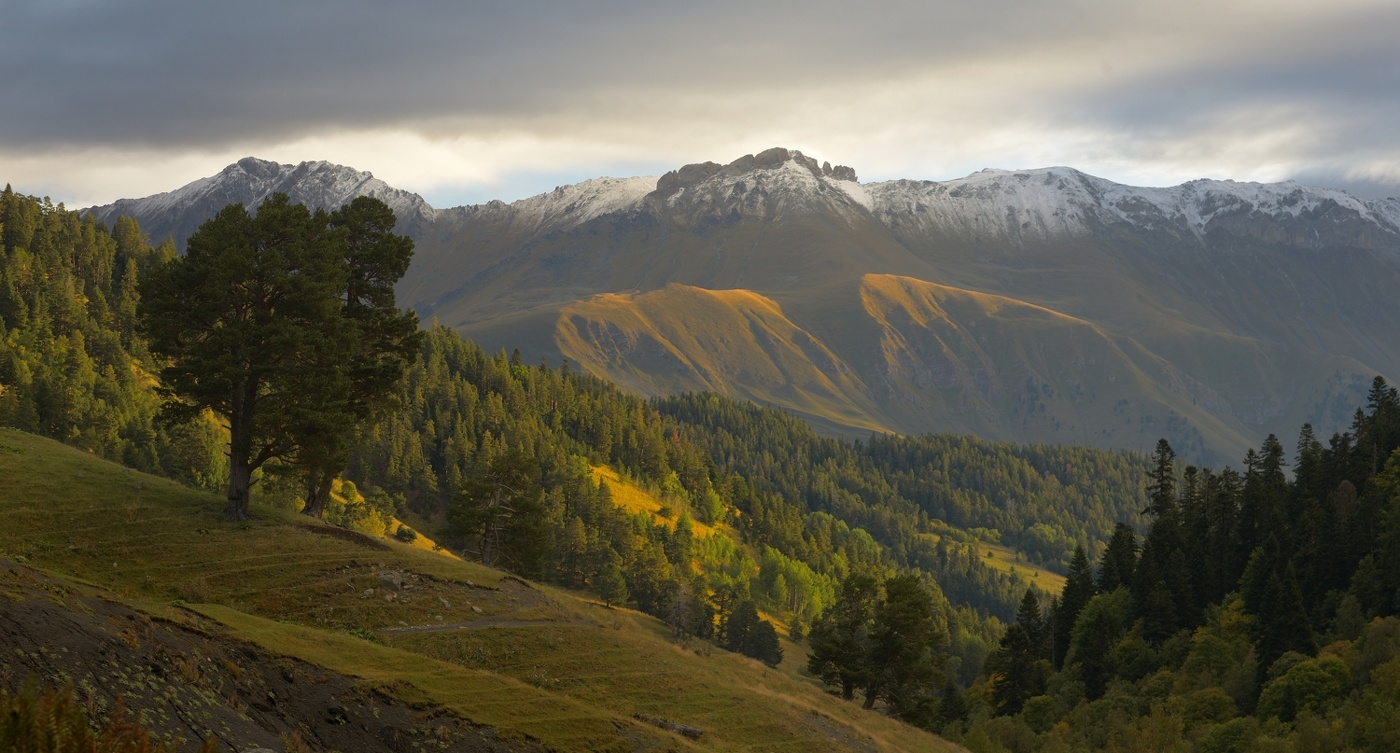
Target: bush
[1314, 685]
[52, 721]
[405, 534]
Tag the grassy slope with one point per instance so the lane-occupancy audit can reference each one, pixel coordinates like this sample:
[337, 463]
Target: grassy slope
[537, 662]
[889, 353]
[635, 499]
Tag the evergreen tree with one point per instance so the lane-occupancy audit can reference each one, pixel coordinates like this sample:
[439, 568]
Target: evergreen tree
[237, 317]
[499, 508]
[376, 343]
[1030, 617]
[609, 583]
[952, 707]
[1019, 668]
[748, 634]
[1161, 489]
[1119, 559]
[1078, 590]
[1283, 624]
[840, 638]
[906, 644]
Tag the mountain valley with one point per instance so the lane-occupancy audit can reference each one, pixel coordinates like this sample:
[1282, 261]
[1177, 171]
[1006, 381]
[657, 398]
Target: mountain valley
[1033, 306]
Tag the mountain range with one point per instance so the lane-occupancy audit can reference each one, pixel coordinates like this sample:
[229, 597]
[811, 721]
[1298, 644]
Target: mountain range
[1039, 305]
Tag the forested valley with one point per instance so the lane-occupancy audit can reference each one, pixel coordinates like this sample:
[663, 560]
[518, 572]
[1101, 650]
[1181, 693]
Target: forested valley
[1229, 610]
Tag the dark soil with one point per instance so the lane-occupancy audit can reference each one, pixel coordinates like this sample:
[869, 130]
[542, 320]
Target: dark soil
[189, 680]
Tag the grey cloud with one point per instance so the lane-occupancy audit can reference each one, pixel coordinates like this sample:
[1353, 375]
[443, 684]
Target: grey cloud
[1332, 83]
[168, 72]
[192, 75]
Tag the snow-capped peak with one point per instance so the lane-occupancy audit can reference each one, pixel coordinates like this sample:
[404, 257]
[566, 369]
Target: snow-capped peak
[250, 181]
[1062, 200]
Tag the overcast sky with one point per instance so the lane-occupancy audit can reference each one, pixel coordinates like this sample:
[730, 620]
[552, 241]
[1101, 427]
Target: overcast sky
[465, 101]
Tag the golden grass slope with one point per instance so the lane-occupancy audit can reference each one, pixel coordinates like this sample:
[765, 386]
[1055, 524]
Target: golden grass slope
[533, 662]
[894, 353]
[635, 499]
[734, 342]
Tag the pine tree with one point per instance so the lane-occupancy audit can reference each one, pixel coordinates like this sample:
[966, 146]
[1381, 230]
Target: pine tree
[376, 341]
[1078, 590]
[1018, 668]
[609, 584]
[1119, 559]
[237, 318]
[840, 638]
[499, 508]
[905, 649]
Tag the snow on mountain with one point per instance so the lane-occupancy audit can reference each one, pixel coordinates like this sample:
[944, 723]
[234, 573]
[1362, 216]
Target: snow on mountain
[1064, 201]
[562, 208]
[764, 185]
[1389, 209]
[1045, 202]
[249, 181]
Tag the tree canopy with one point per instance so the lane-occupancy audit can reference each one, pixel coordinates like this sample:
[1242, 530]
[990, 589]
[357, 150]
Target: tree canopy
[279, 322]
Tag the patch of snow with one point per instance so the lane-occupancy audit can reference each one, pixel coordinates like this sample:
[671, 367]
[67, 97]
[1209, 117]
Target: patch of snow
[1061, 201]
[1389, 209]
[857, 193]
[573, 205]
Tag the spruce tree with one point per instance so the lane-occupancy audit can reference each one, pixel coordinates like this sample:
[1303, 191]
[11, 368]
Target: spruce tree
[1078, 590]
[1119, 559]
[1161, 489]
[1019, 668]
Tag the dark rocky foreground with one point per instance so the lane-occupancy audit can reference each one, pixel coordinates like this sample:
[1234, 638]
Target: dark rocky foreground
[189, 680]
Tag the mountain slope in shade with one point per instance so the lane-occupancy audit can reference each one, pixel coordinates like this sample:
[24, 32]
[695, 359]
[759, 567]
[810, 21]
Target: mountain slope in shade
[1035, 305]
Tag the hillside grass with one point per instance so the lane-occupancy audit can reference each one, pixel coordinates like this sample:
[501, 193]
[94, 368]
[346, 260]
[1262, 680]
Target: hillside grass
[1007, 560]
[531, 661]
[634, 499]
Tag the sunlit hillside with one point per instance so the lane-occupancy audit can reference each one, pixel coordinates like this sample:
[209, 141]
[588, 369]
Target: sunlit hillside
[534, 663]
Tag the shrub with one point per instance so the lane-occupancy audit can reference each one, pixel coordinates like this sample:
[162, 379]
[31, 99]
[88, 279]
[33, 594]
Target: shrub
[52, 721]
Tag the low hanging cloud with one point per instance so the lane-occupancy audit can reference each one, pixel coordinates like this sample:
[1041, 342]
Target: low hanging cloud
[446, 96]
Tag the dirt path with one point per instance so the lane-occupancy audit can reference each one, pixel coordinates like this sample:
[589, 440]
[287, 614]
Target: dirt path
[483, 623]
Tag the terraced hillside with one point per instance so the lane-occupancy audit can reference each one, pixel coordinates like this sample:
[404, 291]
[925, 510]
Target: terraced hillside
[484, 661]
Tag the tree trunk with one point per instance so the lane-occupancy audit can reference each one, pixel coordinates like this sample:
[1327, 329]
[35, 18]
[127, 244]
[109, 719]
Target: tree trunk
[240, 457]
[871, 693]
[318, 492]
[848, 690]
[240, 478]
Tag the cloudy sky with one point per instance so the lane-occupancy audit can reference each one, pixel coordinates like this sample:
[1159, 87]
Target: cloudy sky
[468, 100]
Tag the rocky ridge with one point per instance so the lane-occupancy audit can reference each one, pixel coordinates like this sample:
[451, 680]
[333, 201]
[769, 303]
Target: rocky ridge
[1227, 309]
[177, 214]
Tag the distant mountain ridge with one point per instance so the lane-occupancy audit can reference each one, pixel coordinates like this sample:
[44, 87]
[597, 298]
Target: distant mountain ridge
[1039, 305]
[249, 181]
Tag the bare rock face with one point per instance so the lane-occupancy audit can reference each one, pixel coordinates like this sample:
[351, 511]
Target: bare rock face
[693, 175]
[841, 172]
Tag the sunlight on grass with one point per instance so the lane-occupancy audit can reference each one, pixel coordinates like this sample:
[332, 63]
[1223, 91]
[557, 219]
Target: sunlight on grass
[532, 661]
